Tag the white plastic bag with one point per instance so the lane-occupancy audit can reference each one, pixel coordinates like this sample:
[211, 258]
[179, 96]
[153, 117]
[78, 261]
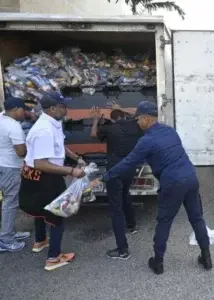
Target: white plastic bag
[192, 239]
[68, 202]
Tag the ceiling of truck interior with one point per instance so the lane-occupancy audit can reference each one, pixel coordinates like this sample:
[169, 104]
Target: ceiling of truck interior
[87, 41]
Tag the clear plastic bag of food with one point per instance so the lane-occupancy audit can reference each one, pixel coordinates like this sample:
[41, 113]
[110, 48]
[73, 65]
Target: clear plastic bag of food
[68, 203]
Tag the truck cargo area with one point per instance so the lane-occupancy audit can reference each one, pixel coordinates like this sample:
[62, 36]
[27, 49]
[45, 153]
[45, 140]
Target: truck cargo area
[15, 44]
[20, 43]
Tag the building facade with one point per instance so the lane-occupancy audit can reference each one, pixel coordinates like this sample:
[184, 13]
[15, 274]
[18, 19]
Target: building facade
[75, 7]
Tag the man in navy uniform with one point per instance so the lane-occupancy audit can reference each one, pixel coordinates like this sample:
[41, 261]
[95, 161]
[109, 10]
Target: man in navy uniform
[162, 149]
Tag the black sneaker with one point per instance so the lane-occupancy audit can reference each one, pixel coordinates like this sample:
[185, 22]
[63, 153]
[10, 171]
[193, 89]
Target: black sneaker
[205, 259]
[132, 230]
[116, 254]
[156, 265]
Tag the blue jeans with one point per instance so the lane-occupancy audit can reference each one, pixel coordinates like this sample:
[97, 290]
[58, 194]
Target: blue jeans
[56, 233]
[10, 180]
[170, 199]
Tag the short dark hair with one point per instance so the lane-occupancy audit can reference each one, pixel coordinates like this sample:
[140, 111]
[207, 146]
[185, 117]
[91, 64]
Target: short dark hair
[116, 113]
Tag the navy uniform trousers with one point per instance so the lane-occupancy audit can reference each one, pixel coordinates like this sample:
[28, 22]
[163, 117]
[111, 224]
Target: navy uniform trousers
[170, 199]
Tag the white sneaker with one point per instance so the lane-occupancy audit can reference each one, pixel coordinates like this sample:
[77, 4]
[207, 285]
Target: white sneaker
[22, 235]
[16, 246]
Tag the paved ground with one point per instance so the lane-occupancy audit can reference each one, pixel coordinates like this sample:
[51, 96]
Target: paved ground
[93, 276]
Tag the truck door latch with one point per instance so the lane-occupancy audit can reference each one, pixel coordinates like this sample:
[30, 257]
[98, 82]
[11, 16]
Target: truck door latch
[164, 42]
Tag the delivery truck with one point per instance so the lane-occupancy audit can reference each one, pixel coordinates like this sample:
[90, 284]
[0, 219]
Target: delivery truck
[184, 77]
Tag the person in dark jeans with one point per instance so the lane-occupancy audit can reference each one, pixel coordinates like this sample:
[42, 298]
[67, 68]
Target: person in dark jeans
[121, 136]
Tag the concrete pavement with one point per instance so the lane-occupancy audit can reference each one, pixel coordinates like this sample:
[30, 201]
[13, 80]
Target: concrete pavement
[93, 276]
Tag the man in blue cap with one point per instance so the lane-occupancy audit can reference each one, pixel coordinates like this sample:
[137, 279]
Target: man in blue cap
[43, 178]
[12, 152]
[162, 149]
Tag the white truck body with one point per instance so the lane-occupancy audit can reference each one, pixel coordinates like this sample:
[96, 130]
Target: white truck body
[184, 68]
[193, 72]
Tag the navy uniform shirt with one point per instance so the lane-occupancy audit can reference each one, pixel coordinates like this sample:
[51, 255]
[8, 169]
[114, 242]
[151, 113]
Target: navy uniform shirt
[121, 137]
[162, 149]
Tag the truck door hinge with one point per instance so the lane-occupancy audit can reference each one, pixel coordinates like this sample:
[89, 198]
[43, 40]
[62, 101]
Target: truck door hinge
[165, 100]
[164, 42]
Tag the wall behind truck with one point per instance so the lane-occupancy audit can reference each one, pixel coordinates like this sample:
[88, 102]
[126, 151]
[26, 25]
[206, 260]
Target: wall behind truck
[9, 5]
[89, 7]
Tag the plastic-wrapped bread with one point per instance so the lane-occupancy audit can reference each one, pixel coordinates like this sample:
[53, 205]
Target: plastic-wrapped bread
[31, 76]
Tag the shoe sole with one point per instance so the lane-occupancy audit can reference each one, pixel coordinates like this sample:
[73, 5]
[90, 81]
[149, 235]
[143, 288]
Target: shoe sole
[121, 258]
[37, 250]
[156, 272]
[54, 267]
[22, 238]
[8, 250]
[132, 232]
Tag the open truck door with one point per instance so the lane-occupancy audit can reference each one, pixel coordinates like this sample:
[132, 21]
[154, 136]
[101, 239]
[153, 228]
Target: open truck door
[193, 72]
[24, 34]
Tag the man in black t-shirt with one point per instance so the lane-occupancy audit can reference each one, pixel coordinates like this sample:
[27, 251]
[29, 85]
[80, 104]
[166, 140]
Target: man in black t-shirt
[121, 136]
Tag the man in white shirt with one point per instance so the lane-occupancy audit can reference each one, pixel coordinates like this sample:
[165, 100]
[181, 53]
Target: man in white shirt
[12, 151]
[43, 178]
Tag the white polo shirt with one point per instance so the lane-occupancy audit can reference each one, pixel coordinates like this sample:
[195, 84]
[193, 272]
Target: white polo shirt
[11, 134]
[45, 140]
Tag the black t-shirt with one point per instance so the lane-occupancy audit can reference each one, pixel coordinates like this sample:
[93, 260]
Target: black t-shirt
[121, 137]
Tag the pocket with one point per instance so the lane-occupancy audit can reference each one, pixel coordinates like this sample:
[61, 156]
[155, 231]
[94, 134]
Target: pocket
[10, 180]
[5, 178]
[16, 175]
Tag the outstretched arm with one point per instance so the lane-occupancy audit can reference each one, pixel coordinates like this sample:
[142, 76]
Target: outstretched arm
[136, 157]
[94, 128]
[96, 131]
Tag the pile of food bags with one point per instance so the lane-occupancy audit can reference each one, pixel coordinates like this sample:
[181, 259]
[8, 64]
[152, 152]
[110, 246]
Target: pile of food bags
[31, 76]
[68, 203]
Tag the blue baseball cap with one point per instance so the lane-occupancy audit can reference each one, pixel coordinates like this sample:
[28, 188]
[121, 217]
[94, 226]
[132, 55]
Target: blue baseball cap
[147, 108]
[53, 99]
[13, 103]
